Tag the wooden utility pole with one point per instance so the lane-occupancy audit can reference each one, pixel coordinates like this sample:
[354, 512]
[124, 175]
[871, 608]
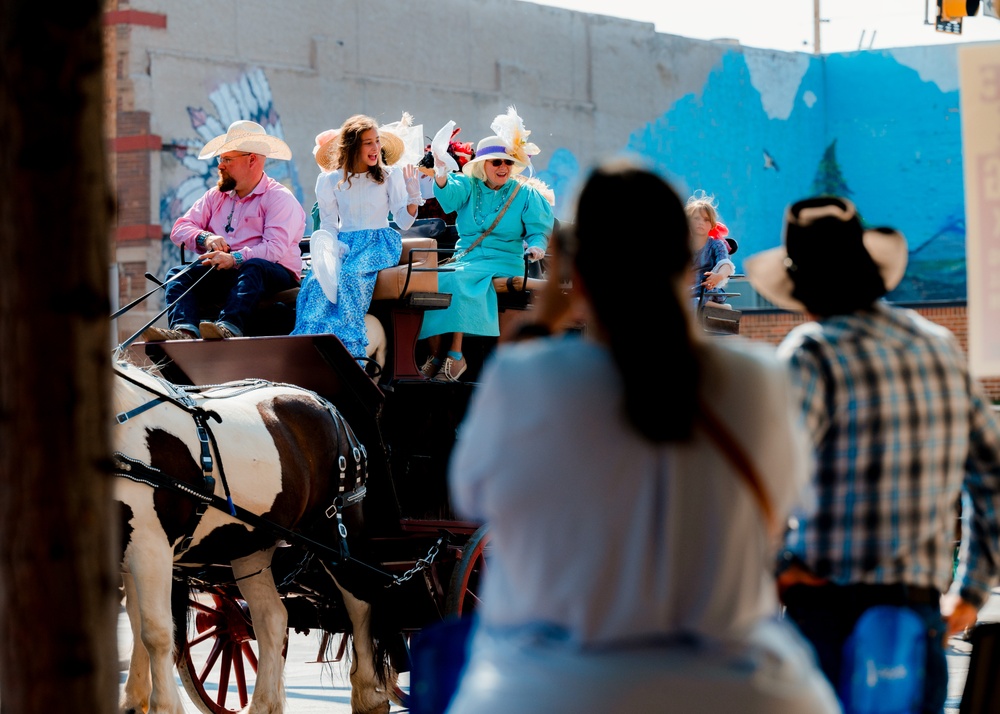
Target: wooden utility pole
[816, 21]
[58, 571]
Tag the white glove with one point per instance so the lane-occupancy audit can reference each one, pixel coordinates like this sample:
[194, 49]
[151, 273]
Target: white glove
[413, 189]
[440, 167]
[342, 248]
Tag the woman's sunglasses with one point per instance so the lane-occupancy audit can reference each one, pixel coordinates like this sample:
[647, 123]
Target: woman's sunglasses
[495, 163]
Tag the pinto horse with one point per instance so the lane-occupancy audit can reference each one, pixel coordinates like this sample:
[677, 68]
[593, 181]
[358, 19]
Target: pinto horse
[223, 475]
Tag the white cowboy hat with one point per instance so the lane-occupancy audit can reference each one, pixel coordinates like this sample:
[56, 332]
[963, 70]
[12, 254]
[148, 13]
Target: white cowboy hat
[829, 263]
[247, 136]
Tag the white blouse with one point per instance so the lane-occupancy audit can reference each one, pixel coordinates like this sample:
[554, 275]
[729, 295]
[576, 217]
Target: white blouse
[364, 205]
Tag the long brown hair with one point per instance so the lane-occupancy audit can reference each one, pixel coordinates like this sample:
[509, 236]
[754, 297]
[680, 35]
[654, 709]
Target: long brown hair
[350, 149]
[649, 219]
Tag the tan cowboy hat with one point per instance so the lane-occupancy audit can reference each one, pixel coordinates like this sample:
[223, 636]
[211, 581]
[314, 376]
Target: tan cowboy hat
[247, 136]
[829, 264]
[402, 142]
[327, 149]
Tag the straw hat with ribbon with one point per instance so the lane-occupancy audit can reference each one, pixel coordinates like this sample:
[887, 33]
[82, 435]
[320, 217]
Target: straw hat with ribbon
[829, 264]
[326, 149]
[247, 136]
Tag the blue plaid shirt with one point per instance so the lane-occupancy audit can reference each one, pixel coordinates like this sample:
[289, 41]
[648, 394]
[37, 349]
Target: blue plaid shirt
[901, 433]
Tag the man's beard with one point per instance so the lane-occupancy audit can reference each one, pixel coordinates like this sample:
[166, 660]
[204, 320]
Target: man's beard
[226, 183]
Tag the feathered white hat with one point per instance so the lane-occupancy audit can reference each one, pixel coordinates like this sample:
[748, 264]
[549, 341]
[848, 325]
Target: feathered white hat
[510, 141]
[402, 142]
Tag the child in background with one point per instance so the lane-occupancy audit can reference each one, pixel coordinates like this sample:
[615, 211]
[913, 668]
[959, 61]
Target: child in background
[711, 264]
[356, 192]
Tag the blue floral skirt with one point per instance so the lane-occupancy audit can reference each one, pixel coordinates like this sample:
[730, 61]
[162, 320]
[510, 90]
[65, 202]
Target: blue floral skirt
[370, 252]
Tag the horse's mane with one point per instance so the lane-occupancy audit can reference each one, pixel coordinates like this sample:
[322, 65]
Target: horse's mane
[124, 364]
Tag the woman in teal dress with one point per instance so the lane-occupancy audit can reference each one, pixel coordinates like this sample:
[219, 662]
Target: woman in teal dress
[501, 218]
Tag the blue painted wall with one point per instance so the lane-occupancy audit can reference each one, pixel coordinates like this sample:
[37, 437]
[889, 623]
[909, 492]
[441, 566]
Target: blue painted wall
[756, 139]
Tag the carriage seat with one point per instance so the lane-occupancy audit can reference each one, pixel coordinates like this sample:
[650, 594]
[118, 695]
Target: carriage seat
[409, 276]
[517, 283]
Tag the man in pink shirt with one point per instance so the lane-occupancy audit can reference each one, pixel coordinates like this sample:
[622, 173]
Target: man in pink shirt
[246, 233]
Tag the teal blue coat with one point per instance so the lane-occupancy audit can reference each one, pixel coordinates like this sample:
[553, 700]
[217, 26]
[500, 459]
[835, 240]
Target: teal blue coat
[529, 219]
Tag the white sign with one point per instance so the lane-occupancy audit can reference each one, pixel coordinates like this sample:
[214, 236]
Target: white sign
[979, 75]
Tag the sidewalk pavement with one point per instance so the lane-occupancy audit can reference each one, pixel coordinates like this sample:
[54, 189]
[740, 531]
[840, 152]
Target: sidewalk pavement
[314, 688]
[310, 687]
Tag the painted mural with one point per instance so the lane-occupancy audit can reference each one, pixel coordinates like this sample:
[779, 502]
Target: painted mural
[765, 129]
[249, 97]
[879, 127]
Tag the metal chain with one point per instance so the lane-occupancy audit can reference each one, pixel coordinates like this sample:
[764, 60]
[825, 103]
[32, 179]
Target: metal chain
[421, 564]
[294, 573]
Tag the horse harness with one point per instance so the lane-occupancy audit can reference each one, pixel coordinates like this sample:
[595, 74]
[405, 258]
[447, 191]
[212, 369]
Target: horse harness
[141, 472]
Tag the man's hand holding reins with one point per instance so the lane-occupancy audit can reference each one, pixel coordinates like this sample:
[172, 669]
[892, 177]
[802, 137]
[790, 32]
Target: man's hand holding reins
[219, 259]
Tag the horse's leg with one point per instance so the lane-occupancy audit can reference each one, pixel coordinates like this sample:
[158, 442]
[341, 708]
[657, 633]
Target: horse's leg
[151, 566]
[135, 695]
[368, 695]
[270, 625]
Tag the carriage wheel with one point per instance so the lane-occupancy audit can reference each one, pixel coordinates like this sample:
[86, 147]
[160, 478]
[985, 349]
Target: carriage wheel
[216, 662]
[463, 595]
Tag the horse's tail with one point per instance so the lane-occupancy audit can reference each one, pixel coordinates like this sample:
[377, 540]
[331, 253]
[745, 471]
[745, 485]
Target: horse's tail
[391, 654]
[180, 599]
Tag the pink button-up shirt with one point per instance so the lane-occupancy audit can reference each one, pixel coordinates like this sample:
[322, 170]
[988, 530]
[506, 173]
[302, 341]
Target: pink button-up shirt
[267, 223]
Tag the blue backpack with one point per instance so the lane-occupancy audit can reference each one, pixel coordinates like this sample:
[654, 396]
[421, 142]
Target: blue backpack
[882, 667]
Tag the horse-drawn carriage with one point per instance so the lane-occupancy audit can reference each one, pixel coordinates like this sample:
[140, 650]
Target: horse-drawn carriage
[277, 478]
[272, 482]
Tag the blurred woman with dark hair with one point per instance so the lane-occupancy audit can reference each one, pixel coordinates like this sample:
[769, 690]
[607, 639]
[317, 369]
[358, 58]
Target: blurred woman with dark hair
[634, 512]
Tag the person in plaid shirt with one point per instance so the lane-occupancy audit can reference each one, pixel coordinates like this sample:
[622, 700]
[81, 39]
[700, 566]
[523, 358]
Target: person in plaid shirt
[902, 435]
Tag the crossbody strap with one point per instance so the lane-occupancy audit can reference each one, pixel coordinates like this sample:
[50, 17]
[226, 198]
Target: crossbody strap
[731, 449]
[496, 222]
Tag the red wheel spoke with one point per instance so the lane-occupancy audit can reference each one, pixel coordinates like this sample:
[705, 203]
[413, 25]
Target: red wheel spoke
[197, 605]
[250, 656]
[227, 660]
[207, 634]
[239, 675]
[217, 648]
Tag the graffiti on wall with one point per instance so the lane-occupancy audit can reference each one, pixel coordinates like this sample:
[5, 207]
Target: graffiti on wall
[248, 97]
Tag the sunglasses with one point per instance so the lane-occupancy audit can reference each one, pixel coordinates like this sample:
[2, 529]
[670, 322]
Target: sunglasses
[496, 163]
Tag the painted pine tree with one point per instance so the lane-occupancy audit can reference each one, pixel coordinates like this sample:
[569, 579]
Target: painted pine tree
[829, 180]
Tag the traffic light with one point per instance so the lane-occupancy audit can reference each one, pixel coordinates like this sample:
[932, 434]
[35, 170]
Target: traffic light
[951, 9]
[951, 12]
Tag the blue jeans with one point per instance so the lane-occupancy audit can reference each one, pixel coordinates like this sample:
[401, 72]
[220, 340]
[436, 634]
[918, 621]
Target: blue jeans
[227, 296]
[826, 615]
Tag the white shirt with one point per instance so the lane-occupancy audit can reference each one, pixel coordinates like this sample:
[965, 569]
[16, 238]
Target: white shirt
[365, 205]
[604, 534]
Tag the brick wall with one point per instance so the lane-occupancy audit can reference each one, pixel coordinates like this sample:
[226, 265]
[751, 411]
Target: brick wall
[772, 325]
[134, 173]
